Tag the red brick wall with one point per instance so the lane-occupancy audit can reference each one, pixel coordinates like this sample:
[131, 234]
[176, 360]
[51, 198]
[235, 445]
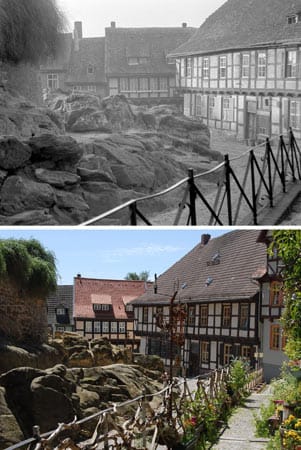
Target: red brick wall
[22, 319]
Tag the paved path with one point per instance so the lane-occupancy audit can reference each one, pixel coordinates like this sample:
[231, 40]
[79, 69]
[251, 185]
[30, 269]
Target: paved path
[240, 433]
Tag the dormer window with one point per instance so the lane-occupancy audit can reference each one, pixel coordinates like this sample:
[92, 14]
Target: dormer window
[135, 61]
[129, 308]
[294, 18]
[101, 307]
[90, 69]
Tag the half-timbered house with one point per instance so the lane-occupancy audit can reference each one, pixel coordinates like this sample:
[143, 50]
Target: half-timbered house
[101, 308]
[60, 309]
[214, 303]
[241, 70]
[272, 336]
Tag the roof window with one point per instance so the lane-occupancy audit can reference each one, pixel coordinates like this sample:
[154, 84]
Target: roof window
[215, 260]
[209, 281]
[90, 69]
[293, 18]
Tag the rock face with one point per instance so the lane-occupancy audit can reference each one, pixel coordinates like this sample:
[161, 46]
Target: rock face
[54, 179]
[46, 398]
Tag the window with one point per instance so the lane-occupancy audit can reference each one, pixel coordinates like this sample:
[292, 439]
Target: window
[276, 293]
[60, 311]
[105, 327]
[245, 352]
[295, 114]
[227, 109]
[133, 61]
[204, 315]
[52, 81]
[245, 68]
[129, 308]
[124, 84]
[163, 84]
[205, 67]
[226, 316]
[189, 64]
[90, 69]
[227, 354]
[291, 64]
[153, 84]
[292, 19]
[145, 314]
[97, 328]
[211, 107]
[143, 82]
[101, 307]
[88, 327]
[275, 337]
[143, 60]
[262, 63]
[121, 327]
[113, 327]
[204, 352]
[243, 316]
[134, 84]
[191, 315]
[222, 66]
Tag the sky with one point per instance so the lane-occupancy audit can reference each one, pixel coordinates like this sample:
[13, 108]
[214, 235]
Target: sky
[98, 14]
[112, 253]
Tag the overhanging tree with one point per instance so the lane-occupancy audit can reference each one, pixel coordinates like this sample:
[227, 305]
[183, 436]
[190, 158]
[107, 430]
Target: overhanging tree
[28, 266]
[288, 244]
[29, 30]
[134, 276]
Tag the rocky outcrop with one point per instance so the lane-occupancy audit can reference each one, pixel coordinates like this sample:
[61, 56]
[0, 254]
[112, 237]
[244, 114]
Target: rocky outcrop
[56, 395]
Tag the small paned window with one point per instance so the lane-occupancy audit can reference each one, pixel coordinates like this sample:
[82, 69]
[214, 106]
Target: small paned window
[189, 66]
[211, 107]
[145, 314]
[243, 316]
[191, 315]
[227, 354]
[276, 293]
[204, 352]
[205, 67]
[226, 316]
[295, 114]
[113, 327]
[292, 19]
[245, 352]
[105, 327]
[129, 308]
[52, 81]
[222, 66]
[203, 315]
[291, 64]
[275, 337]
[227, 109]
[121, 327]
[97, 328]
[124, 84]
[245, 69]
[88, 327]
[262, 65]
[60, 311]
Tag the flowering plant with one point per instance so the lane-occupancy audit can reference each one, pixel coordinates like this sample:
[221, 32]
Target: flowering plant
[291, 428]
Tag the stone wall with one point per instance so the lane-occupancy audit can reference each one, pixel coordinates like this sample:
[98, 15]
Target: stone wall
[22, 319]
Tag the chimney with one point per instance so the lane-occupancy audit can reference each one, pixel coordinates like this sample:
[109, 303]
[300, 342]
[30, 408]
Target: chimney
[113, 24]
[77, 34]
[205, 239]
[184, 25]
[78, 275]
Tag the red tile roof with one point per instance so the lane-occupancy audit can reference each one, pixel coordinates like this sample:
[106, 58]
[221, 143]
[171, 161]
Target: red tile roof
[115, 292]
[222, 270]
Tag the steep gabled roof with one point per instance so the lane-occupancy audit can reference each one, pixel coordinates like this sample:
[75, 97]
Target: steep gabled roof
[222, 270]
[62, 59]
[154, 43]
[62, 297]
[91, 51]
[89, 291]
[239, 24]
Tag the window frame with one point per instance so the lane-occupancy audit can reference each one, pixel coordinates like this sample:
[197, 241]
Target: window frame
[97, 326]
[204, 318]
[227, 355]
[105, 327]
[295, 115]
[222, 67]
[145, 314]
[52, 81]
[226, 318]
[205, 68]
[261, 65]
[205, 352]
[245, 67]
[243, 321]
[191, 316]
[275, 333]
[276, 292]
[291, 66]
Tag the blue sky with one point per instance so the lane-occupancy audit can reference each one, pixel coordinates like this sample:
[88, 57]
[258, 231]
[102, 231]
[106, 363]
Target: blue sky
[112, 253]
[98, 14]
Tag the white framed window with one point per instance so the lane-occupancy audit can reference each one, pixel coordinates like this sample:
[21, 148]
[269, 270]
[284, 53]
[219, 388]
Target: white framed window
[295, 114]
[245, 351]
[227, 354]
[97, 328]
[204, 352]
[245, 66]
[121, 327]
[113, 327]
[60, 311]
[124, 84]
[222, 66]
[291, 64]
[228, 109]
[101, 307]
[129, 308]
[163, 84]
[191, 315]
[205, 68]
[189, 66]
[292, 19]
[52, 81]
[105, 327]
[261, 65]
[88, 326]
[243, 316]
[203, 315]
[211, 107]
[143, 84]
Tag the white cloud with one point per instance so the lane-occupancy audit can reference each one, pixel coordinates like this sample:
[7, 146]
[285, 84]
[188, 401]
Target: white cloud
[145, 249]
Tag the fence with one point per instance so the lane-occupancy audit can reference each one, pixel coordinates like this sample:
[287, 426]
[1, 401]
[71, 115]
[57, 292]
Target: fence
[223, 195]
[149, 422]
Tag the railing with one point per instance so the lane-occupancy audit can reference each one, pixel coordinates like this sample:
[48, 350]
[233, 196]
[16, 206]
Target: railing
[150, 421]
[223, 195]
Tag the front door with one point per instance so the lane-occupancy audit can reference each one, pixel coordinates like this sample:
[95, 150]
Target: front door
[194, 359]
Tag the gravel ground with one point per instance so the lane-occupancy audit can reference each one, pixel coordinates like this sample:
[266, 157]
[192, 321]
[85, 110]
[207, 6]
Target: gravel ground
[240, 433]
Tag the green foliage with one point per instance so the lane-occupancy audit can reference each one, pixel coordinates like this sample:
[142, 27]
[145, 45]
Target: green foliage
[275, 442]
[28, 266]
[29, 29]
[261, 420]
[134, 276]
[288, 245]
[238, 377]
[287, 388]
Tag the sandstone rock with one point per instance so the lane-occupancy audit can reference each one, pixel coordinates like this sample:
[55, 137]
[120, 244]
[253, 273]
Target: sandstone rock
[88, 119]
[95, 175]
[56, 178]
[20, 194]
[118, 112]
[13, 153]
[10, 432]
[3, 175]
[60, 149]
[35, 217]
[80, 100]
[100, 196]
[88, 398]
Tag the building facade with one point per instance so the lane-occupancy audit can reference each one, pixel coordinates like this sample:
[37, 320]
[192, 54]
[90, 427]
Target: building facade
[245, 77]
[102, 309]
[128, 61]
[215, 312]
[272, 336]
[60, 309]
